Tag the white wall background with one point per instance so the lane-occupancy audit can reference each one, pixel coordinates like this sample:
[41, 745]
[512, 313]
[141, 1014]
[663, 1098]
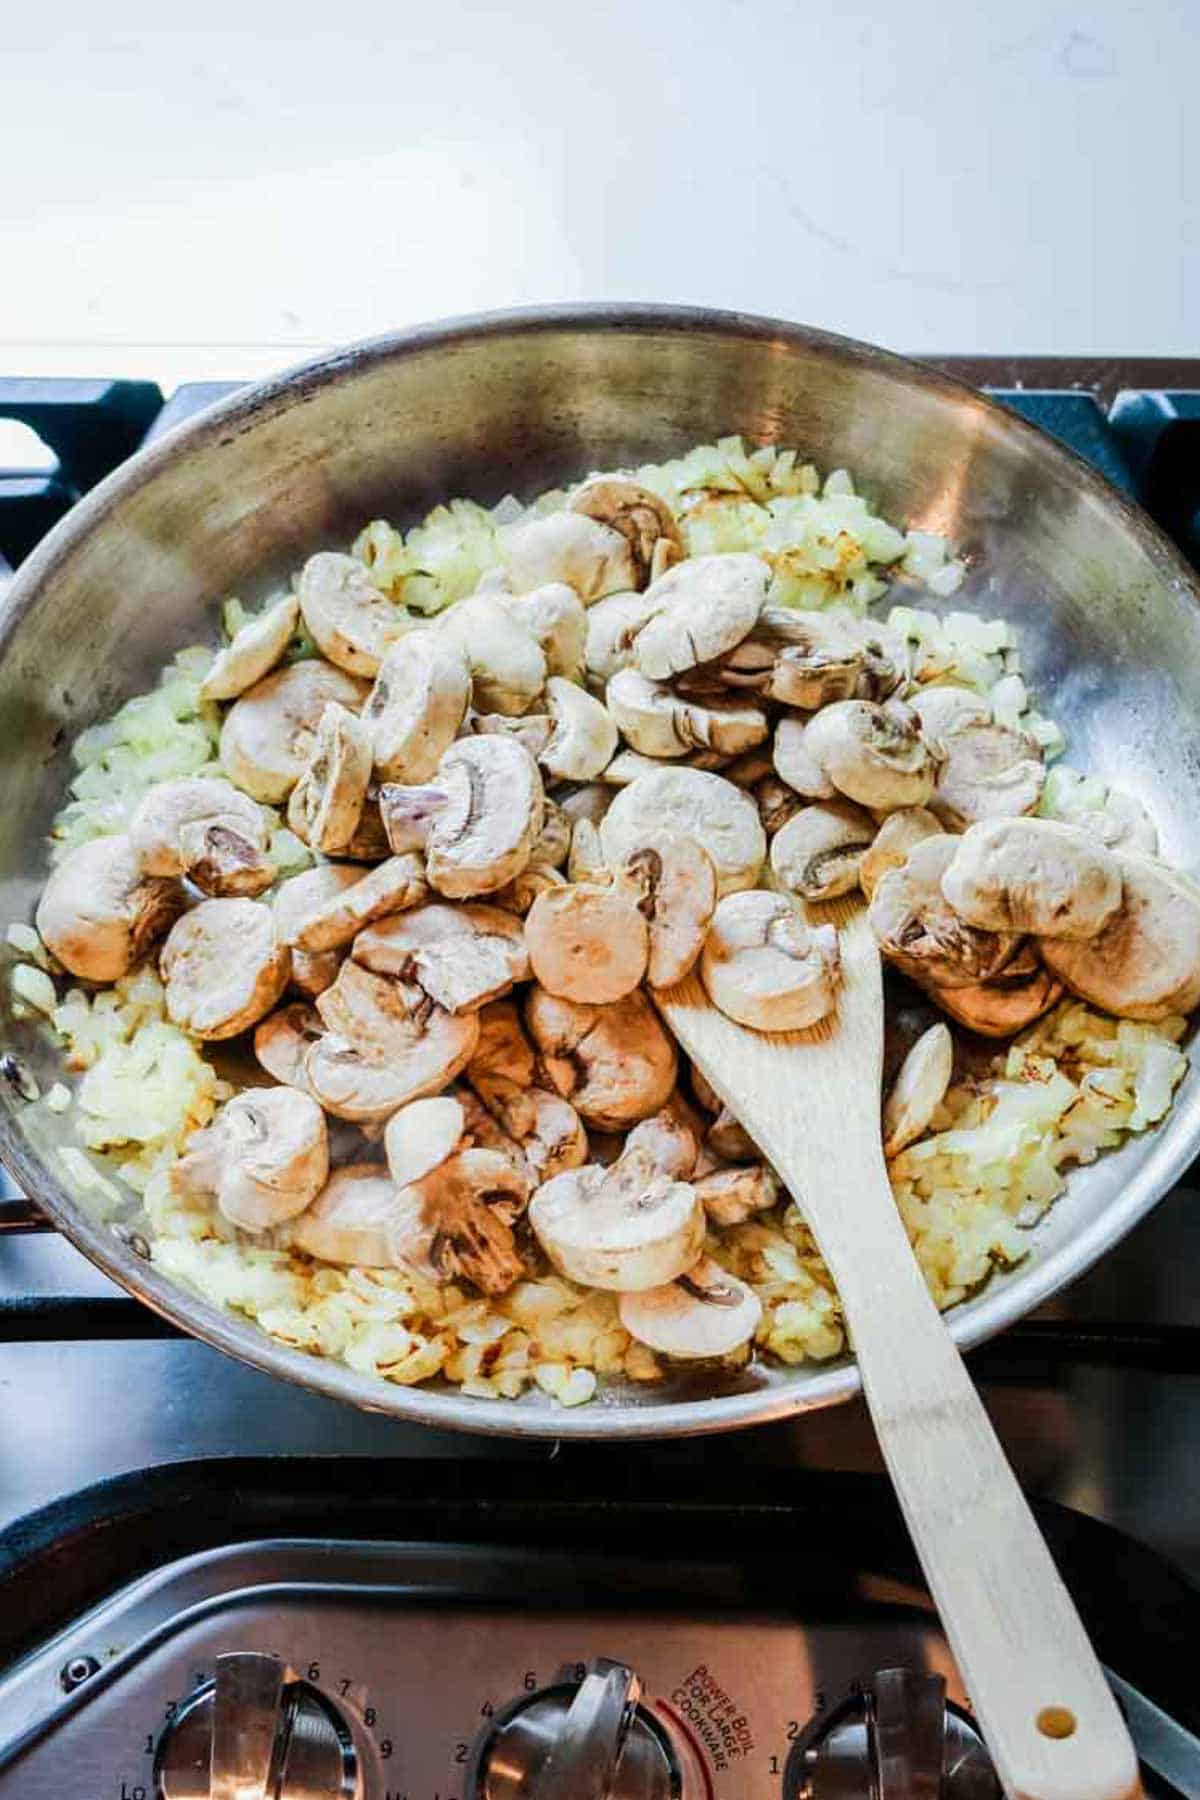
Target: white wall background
[225, 195]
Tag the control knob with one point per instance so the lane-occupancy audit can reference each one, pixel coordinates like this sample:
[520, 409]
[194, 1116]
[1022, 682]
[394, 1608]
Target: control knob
[899, 1739]
[256, 1733]
[588, 1739]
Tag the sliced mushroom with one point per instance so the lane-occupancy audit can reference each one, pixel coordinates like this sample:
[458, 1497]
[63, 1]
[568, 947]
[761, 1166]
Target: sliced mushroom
[896, 836]
[253, 652]
[296, 898]
[727, 1138]
[419, 700]
[552, 845]
[604, 1231]
[328, 800]
[795, 763]
[698, 805]
[942, 710]
[205, 829]
[349, 620]
[753, 766]
[731, 1196]
[586, 861]
[386, 1044]
[268, 734]
[332, 920]
[507, 664]
[702, 608]
[644, 520]
[818, 853]
[590, 557]
[587, 942]
[918, 930]
[557, 618]
[518, 895]
[265, 1157]
[918, 1090]
[590, 801]
[873, 754]
[422, 1136]
[763, 966]
[361, 1218]
[1033, 875]
[369, 840]
[1001, 1007]
[612, 626]
[667, 1143]
[100, 914]
[676, 887]
[534, 730]
[584, 738]
[628, 766]
[503, 1073]
[484, 834]
[705, 1313]
[988, 772]
[812, 659]
[462, 956]
[659, 723]
[470, 1201]
[614, 1063]
[777, 803]
[1145, 962]
[283, 1040]
[408, 814]
[223, 967]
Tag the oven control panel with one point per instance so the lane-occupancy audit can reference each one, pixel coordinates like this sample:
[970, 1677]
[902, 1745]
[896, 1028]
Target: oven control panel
[270, 1673]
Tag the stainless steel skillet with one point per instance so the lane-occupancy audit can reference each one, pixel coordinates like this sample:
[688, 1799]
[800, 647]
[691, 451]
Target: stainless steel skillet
[233, 500]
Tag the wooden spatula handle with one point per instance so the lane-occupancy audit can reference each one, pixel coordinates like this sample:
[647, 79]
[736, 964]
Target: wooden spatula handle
[1049, 1716]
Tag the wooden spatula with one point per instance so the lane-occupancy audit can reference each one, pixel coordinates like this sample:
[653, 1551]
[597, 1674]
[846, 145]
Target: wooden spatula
[811, 1101]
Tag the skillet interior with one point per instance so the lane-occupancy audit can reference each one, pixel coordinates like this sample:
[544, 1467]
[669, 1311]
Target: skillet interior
[235, 499]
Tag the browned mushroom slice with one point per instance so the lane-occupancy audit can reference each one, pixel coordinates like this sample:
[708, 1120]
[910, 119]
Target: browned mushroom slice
[988, 771]
[587, 942]
[269, 732]
[817, 854]
[503, 1072]
[643, 519]
[660, 723]
[1003, 1006]
[676, 885]
[328, 800]
[765, 967]
[337, 917]
[614, 1063]
[471, 1201]
[283, 1040]
[386, 1044]
[223, 968]
[100, 914]
[1145, 963]
[918, 930]
[207, 830]
[462, 956]
[896, 836]
[873, 754]
[1033, 875]
[264, 1157]
[812, 659]
[731, 1196]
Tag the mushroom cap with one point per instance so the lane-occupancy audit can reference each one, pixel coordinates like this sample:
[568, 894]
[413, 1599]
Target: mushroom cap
[1003, 1006]
[944, 709]
[918, 930]
[273, 1156]
[871, 753]
[419, 700]
[369, 841]
[587, 942]
[812, 659]
[99, 914]
[1145, 962]
[658, 722]
[507, 664]
[170, 806]
[553, 843]
[349, 620]
[386, 1044]
[614, 1063]
[776, 803]
[408, 813]
[253, 651]
[283, 1040]
[918, 1090]
[1033, 875]
[422, 1135]
[707, 1312]
[731, 1196]
[592, 558]
[470, 1200]
[894, 839]
[334, 918]
[763, 966]
[676, 885]
[608, 1234]
[223, 967]
[701, 609]
[987, 772]
[221, 861]
[301, 895]
[612, 626]
[534, 730]
[818, 852]
[795, 763]
[641, 516]
[269, 731]
[697, 805]
[358, 1218]
[327, 802]
[558, 619]
[584, 739]
[484, 834]
[462, 956]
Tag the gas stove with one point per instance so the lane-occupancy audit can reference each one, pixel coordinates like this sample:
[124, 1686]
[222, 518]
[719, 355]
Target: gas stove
[400, 1614]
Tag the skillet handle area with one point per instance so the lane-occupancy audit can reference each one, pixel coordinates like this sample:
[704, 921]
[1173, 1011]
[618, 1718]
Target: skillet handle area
[1047, 1712]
